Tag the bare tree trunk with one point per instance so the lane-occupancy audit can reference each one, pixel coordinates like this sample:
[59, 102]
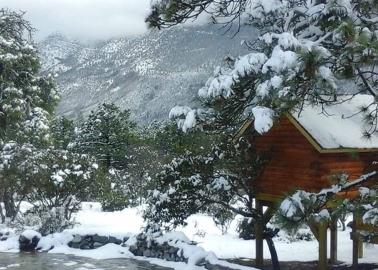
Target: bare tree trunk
[10, 209]
[1, 213]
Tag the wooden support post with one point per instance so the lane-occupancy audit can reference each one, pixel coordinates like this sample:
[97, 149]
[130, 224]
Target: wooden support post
[323, 261]
[259, 234]
[360, 248]
[360, 243]
[355, 238]
[333, 244]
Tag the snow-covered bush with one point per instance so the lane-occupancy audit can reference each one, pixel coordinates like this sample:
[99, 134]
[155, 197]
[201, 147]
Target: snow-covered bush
[246, 229]
[115, 192]
[62, 179]
[44, 220]
[217, 183]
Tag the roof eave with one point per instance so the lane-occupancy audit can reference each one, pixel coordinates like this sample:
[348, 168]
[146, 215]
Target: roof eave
[309, 138]
[321, 149]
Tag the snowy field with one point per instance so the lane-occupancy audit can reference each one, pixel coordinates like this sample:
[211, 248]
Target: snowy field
[200, 228]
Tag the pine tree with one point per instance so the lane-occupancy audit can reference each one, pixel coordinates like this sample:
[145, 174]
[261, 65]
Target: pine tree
[308, 52]
[62, 132]
[26, 99]
[25, 96]
[106, 135]
[35, 164]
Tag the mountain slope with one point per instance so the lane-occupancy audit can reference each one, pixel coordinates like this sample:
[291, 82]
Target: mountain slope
[148, 75]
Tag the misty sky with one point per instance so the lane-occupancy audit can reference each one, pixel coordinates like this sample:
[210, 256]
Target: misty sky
[84, 19]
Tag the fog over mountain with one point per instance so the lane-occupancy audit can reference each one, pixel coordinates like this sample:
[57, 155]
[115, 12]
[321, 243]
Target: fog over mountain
[148, 74]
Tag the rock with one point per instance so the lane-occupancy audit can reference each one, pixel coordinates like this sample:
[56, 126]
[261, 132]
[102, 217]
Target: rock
[86, 246]
[147, 253]
[28, 245]
[167, 256]
[77, 239]
[88, 238]
[100, 239]
[114, 240]
[97, 244]
[74, 245]
[173, 250]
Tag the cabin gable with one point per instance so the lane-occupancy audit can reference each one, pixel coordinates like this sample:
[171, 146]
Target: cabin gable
[296, 163]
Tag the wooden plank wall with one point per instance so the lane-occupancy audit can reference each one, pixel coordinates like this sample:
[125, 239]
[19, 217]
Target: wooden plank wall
[296, 164]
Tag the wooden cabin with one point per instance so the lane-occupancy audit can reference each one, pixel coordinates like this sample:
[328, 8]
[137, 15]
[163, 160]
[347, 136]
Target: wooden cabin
[308, 150]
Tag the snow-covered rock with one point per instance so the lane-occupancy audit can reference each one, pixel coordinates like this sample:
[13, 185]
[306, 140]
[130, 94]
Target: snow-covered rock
[28, 240]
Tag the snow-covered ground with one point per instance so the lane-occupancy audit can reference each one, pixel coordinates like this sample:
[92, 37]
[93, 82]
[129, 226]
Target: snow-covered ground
[200, 228]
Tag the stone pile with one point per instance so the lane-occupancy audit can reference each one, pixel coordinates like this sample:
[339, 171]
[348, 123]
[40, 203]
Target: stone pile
[142, 246]
[4, 236]
[93, 241]
[28, 245]
[153, 249]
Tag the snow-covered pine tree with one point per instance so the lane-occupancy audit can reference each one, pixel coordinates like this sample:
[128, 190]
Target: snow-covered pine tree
[34, 164]
[62, 132]
[308, 51]
[217, 183]
[26, 98]
[24, 94]
[106, 135]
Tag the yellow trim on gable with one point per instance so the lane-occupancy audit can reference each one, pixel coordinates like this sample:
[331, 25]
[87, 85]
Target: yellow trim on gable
[269, 197]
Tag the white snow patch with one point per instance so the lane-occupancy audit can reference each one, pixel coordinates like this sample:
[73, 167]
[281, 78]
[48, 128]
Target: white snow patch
[341, 126]
[263, 119]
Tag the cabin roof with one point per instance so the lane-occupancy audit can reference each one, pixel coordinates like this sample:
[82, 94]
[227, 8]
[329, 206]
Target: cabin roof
[336, 128]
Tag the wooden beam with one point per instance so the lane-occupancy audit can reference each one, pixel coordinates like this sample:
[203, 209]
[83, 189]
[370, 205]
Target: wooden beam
[333, 244]
[269, 213]
[323, 260]
[314, 229]
[269, 197]
[259, 234]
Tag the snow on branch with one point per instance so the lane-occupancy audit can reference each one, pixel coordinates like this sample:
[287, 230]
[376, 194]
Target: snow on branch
[305, 206]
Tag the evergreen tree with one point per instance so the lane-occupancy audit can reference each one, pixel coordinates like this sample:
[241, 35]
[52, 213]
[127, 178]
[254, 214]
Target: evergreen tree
[26, 100]
[63, 132]
[107, 134]
[308, 52]
[34, 162]
[217, 183]
[24, 94]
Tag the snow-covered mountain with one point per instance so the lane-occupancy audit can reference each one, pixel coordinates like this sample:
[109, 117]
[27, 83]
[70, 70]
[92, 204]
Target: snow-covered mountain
[148, 74]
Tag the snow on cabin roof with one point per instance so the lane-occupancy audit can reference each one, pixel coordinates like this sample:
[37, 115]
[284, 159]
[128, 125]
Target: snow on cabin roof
[339, 125]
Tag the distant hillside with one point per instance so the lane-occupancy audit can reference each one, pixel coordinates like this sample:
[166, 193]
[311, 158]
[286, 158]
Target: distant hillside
[147, 75]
